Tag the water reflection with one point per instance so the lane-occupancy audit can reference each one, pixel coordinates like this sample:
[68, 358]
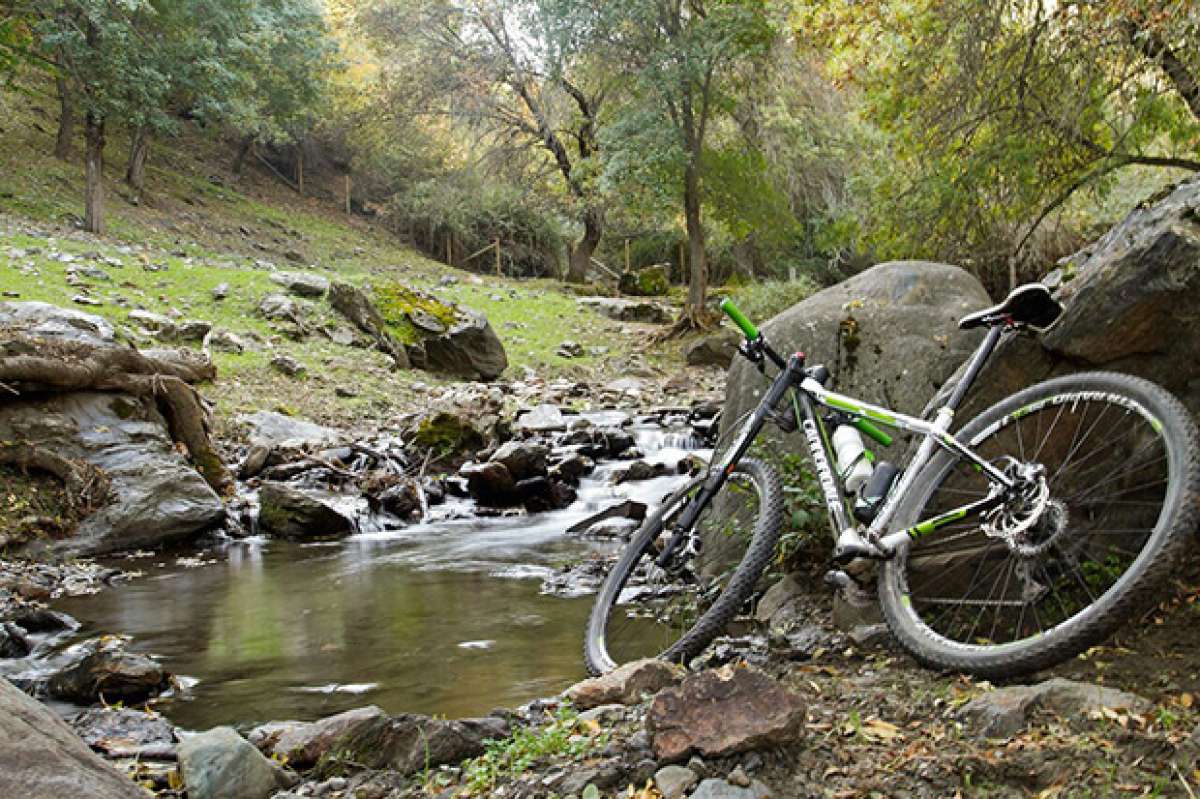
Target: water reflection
[444, 617]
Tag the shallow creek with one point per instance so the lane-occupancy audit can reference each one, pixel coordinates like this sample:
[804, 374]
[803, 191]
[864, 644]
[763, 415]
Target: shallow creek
[443, 617]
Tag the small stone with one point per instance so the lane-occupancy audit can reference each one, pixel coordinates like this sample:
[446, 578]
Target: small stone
[720, 789]
[673, 782]
[193, 330]
[13, 643]
[288, 365]
[569, 349]
[738, 777]
[624, 684]
[223, 340]
[220, 291]
[220, 764]
[345, 392]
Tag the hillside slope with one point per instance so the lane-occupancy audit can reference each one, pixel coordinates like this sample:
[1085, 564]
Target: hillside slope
[199, 226]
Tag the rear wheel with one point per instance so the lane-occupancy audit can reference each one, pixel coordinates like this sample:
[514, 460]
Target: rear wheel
[643, 610]
[1113, 481]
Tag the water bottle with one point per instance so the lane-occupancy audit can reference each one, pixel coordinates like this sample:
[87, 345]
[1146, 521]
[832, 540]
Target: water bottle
[852, 462]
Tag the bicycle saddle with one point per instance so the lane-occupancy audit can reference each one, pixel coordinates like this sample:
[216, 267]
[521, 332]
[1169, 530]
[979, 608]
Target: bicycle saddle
[1030, 305]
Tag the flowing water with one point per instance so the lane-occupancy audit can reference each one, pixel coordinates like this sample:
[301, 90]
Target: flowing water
[444, 617]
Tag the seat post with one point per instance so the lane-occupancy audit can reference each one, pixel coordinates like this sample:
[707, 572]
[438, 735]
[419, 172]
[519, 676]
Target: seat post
[978, 359]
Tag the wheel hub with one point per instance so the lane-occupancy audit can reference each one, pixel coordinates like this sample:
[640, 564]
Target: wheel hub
[1028, 521]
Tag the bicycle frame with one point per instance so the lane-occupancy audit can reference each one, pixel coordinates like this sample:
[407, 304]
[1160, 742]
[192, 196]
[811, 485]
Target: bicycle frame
[806, 395]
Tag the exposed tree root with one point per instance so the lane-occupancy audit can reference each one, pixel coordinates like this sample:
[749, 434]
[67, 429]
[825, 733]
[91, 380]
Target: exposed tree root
[87, 486]
[34, 364]
[691, 320]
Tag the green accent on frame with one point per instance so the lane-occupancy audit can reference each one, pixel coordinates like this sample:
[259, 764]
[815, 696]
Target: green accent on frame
[928, 526]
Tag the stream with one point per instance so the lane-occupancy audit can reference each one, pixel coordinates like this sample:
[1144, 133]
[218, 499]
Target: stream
[442, 617]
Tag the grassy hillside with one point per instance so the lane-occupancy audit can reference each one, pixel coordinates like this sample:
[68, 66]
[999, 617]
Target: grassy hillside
[198, 226]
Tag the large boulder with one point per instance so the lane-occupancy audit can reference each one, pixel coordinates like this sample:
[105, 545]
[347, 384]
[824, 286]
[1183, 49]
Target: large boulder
[158, 497]
[1129, 306]
[41, 758]
[650, 281]
[889, 334]
[470, 349]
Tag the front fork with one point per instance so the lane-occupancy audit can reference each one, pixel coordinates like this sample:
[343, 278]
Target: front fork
[681, 529]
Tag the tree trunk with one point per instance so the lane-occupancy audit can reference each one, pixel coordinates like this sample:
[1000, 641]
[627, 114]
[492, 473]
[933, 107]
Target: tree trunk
[93, 216]
[66, 121]
[581, 254]
[698, 272]
[139, 150]
[239, 160]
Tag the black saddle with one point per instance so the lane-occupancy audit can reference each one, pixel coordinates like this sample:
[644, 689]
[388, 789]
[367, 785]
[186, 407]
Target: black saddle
[1030, 306]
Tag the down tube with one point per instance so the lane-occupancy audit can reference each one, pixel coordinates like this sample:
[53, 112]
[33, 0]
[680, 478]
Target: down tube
[818, 450]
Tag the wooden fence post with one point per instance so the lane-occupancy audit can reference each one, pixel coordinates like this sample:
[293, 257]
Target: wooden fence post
[626, 255]
[497, 245]
[449, 251]
[300, 170]
[347, 194]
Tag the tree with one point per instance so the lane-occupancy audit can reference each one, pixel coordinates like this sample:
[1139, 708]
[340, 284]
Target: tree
[686, 63]
[501, 68]
[997, 113]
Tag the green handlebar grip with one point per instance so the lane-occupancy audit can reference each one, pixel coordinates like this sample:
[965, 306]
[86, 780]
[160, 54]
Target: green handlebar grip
[868, 429]
[739, 318]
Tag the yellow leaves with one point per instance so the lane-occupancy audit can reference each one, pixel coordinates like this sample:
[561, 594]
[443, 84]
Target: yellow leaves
[175, 781]
[874, 729]
[1186, 700]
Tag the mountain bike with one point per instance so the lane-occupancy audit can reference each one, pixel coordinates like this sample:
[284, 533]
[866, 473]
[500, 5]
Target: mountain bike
[1011, 545]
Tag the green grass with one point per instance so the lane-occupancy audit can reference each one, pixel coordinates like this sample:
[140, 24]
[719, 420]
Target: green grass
[565, 736]
[198, 225]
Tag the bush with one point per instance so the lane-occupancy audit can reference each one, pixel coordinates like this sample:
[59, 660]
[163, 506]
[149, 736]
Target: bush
[762, 300]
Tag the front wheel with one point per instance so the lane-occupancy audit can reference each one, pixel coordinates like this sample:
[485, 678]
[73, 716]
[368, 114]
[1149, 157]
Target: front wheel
[1114, 482]
[672, 612]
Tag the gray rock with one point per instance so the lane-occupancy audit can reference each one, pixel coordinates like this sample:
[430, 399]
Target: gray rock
[222, 340]
[717, 349]
[288, 365]
[1005, 711]
[649, 281]
[50, 321]
[289, 512]
[541, 419]
[13, 643]
[101, 668]
[280, 307]
[220, 291]
[569, 349]
[612, 529]
[777, 596]
[673, 782]
[159, 498]
[43, 620]
[639, 470]
[469, 349]
[193, 330]
[423, 320]
[157, 325]
[274, 430]
[125, 732]
[409, 743]
[305, 744]
[624, 310]
[902, 345]
[220, 764]
[523, 460]
[722, 712]
[625, 684]
[720, 789]
[41, 758]
[302, 284]
[490, 483]
[1129, 306]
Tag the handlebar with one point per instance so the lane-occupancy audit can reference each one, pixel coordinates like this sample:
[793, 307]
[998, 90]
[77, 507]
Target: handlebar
[739, 319]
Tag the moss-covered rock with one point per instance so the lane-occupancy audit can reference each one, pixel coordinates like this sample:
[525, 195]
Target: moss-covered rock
[653, 281]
